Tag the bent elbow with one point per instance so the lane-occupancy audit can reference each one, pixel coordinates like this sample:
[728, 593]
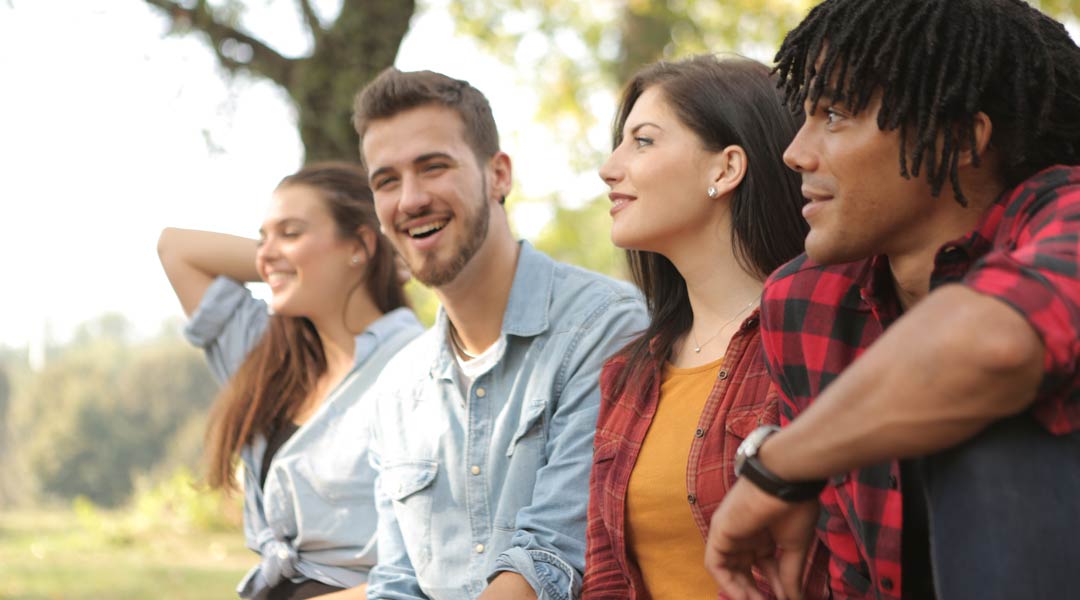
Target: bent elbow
[1009, 356]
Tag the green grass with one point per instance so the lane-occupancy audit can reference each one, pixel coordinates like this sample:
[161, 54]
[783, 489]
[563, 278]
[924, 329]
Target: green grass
[95, 555]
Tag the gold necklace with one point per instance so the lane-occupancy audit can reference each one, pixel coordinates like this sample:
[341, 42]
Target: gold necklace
[697, 346]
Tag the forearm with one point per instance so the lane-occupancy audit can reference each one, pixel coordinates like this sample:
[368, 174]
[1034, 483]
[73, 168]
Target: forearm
[956, 362]
[357, 593]
[193, 259]
[508, 586]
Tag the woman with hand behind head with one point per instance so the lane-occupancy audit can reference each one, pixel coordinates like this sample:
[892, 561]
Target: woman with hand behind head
[705, 209]
[339, 313]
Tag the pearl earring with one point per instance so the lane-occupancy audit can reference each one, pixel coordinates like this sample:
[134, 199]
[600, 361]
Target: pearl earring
[712, 191]
[355, 260]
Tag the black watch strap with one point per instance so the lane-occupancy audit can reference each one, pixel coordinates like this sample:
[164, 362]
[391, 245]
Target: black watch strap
[770, 483]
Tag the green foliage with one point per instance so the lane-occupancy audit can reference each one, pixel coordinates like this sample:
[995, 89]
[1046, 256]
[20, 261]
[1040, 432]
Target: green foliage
[581, 236]
[104, 409]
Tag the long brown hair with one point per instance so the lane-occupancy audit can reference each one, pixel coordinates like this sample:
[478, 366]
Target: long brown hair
[725, 102]
[283, 367]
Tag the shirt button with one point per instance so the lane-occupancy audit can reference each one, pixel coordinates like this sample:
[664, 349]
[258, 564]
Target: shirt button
[282, 553]
[722, 375]
[475, 470]
[692, 499]
[479, 548]
[480, 393]
[893, 483]
[886, 583]
[699, 433]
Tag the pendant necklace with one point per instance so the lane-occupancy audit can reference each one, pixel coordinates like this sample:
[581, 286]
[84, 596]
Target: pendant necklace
[697, 346]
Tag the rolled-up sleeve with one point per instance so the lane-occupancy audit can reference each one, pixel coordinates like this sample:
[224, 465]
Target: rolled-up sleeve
[548, 548]
[226, 325]
[1038, 274]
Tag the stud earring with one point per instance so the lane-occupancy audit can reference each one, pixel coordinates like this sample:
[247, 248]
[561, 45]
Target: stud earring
[355, 260]
[712, 191]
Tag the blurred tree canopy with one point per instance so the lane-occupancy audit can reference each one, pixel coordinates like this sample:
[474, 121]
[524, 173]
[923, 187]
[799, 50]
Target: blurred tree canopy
[346, 52]
[105, 410]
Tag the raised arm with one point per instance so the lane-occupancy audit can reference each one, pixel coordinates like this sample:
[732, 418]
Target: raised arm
[193, 259]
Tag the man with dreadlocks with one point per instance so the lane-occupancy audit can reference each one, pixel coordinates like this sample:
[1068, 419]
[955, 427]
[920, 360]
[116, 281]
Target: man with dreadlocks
[925, 347]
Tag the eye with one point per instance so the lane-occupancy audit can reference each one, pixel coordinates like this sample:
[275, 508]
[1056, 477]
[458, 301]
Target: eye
[435, 167]
[383, 182]
[833, 116]
[643, 141]
[259, 243]
[290, 233]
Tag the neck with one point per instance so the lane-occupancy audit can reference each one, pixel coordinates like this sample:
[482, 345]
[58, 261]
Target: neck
[913, 265]
[476, 299]
[338, 330]
[720, 291]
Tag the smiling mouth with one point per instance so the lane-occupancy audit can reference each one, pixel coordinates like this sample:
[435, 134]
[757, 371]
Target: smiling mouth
[422, 231]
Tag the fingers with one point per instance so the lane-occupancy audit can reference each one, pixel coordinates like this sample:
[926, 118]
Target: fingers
[792, 564]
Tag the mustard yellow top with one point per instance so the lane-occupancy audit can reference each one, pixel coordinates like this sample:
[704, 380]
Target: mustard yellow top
[662, 538]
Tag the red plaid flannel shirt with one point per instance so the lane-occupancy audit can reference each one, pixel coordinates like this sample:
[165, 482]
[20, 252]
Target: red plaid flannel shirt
[817, 320]
[741, 400]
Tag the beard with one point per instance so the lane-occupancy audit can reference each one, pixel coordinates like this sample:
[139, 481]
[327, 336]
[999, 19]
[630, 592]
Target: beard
[435, 274]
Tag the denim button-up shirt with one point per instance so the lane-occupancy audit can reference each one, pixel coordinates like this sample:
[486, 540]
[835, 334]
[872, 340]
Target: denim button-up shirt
[314, 518]
[497, 480]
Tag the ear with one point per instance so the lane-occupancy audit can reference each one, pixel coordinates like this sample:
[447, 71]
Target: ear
[983, 129]
[500, 176]
[365, 244]
[728, 170]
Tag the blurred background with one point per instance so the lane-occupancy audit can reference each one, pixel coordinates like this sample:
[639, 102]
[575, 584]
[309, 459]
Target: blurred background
[121, 117]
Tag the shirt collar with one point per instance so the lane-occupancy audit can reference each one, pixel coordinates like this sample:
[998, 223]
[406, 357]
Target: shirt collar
[526, 310]
[381, 330]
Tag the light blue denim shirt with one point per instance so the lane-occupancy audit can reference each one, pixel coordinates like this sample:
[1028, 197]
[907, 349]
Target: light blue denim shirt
[315, 516]
[497, 480]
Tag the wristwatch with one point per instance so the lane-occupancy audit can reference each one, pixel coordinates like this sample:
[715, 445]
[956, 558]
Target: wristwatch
[748, 465]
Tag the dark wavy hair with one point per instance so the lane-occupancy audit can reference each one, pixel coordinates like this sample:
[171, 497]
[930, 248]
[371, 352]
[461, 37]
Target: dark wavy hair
[728, 101]
[937, 63]
[281, 370]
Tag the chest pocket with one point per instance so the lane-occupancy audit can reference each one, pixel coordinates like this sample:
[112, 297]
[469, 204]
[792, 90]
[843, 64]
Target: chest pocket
[408, 484]
[530, 429]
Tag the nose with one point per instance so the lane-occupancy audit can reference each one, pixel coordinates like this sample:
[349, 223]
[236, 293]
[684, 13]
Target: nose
[414, 198]
[798, 155]
[267, 250]
[611, 172]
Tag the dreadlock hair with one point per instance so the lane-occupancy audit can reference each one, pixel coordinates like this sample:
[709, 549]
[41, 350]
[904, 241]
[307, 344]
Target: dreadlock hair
[937, 63]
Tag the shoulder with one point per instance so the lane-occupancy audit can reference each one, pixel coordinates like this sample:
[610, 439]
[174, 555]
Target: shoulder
[803, 279]
[580, 294]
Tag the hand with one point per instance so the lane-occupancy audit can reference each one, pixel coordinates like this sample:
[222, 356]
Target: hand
[747, 530]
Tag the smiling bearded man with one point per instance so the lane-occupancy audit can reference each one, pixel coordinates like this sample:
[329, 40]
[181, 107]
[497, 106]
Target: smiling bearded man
[483, 428]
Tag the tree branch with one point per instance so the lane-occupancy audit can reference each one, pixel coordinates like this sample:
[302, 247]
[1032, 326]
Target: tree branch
[312, 20]
[264, 60]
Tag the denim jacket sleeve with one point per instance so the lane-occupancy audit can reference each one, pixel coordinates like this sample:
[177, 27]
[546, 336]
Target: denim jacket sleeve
[548, 548]
[227, 325]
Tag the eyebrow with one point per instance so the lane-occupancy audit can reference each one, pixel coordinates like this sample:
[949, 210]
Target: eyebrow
[285, 221]
[423, 158]
[637, 127]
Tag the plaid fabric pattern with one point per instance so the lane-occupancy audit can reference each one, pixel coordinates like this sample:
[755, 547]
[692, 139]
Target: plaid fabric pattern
[741, 400]
[816, 320]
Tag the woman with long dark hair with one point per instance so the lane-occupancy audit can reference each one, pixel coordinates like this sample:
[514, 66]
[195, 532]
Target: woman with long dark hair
[705, 209]
[289, 410]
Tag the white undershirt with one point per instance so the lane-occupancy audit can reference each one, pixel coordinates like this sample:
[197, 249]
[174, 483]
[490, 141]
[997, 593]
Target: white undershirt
[470, 369]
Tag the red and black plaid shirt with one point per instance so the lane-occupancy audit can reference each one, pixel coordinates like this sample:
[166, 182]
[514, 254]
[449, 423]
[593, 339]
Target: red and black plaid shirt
[741, 400]
[817, 320]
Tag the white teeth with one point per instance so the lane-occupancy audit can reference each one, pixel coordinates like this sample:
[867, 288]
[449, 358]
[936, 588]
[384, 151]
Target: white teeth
[277, 276]
[422, 229]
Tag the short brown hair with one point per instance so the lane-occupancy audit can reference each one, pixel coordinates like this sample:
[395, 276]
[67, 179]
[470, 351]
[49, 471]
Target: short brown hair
[394, 92]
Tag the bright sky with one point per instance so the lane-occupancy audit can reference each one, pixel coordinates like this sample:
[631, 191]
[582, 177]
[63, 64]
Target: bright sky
[110, 131]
